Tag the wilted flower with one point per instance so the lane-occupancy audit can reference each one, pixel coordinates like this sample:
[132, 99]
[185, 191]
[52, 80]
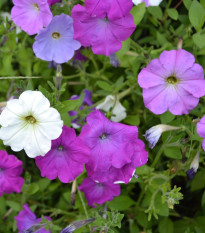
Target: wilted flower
[148, 2]
[114, 60]
[55, 42]
[194, 166]
[10, 171]
[103, 24]
[31, 15]
[98, 193]
[174, 83]
[65, 159]
[153, 134]
[111, 103]
[30, 123]
[26, 219]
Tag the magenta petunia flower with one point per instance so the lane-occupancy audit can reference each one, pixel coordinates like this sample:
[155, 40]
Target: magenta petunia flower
[10, 171]
[174, 83]
[98, 193]
[26, 219]
[102, 31]
[31, 15]
[114, 9]
[201, 130]
[52, 2]
[55, 42]
[115, 151]
[125, 173]
[66, 158]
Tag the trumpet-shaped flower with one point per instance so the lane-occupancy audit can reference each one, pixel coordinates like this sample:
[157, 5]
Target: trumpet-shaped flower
[111, 103]
[30, 123]
[201, 130]
[153, 134]
[10, 171]
[55, 42]
[65, 159]
[102, 31]
[148, 2]
[26, 219]
[194, 166]
[98, 193]
[31, 15]
[174, 83]
[76, 225]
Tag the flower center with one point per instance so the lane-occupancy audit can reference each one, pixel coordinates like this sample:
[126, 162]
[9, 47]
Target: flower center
[30, 119]
[60, 148]
[103, 136]
[56, 35]
[36, 6]
[172, 80]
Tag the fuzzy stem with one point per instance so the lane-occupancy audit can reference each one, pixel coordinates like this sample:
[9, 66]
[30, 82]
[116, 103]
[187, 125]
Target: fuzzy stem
[157, 156]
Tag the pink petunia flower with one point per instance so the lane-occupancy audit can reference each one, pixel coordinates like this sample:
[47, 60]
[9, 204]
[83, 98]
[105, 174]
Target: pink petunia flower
[26, 219]
[98, 193]
[201, 130]
[10, 171]
[115, 151]
[31, 15]
[66, 158]
[52, 2]
[103, 31]
[174, 83]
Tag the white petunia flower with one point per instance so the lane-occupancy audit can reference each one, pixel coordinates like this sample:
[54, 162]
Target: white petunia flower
[30, 123]
[148, 2]
[153, 134]
[117, 109]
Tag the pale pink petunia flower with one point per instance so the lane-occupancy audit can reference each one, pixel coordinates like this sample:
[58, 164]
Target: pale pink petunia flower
[31, 15]
[174, 83]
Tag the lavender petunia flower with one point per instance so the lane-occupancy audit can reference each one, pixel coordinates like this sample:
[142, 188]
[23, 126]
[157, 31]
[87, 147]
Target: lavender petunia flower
[65, 159]
[10, 171]
[174, 83]
[201, 130]
[103, 31]
[31, 15]
[55, 42]
[148, 2]
[113, 149]
[26, 219]
[98, 193]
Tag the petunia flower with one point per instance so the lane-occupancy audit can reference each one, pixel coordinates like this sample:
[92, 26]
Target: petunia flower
[201, 130]
[65, 159]
[111, 103]
[103, 31]
[26, 219]
[153, 134]
[194, 166]
[98, 193]
[10, 171]
[114, 152]
[174, 83]
[55, 42]
[52, 2]
[148, 2]
[30, 123]
[31, 15]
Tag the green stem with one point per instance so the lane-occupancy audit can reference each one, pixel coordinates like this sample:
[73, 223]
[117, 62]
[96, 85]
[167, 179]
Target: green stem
[83, 204]
[157, 157]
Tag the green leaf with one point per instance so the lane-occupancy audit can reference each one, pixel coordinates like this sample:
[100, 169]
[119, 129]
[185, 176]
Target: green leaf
[199, 40]
[173, 13]
[187, 4]
[166, 117]
[105, 86]
[121, 203]
[43, 184]
[132, 120]
[196, 15]
[138, 12]
[14, 205]
[173, 153]
[166, 226]
[199, 181]
[155, 11]
[32, 189]
[162, 207]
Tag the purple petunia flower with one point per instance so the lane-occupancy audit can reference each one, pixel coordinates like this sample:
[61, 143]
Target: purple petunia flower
[10, 171]
[26, 219]
[31, 15]
[98, 193]
[52, 2]
[65, 159]
[201, 130]
[115, 151]
[174, 83]
[55, 42]
[103, 26]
